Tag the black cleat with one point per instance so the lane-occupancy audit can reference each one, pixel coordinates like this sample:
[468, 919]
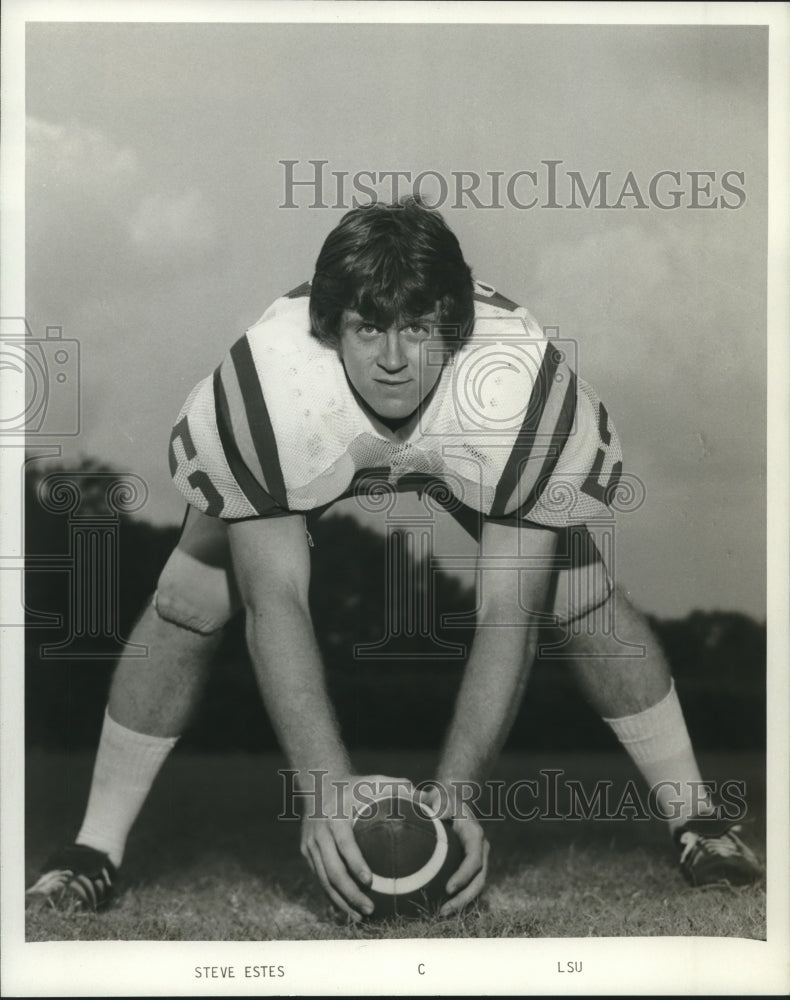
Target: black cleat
[76, 877]
[712, 852]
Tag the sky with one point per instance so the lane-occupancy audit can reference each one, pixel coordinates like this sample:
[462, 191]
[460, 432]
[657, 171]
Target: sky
[156, 236]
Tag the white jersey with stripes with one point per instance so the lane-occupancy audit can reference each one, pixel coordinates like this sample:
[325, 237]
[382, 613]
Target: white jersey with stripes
[510, 431]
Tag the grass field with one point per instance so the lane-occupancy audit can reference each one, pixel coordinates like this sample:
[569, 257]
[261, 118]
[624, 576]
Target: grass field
[209, 861]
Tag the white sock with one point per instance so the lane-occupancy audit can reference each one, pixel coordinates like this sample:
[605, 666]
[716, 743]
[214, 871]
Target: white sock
[126, 765]
[658, 742]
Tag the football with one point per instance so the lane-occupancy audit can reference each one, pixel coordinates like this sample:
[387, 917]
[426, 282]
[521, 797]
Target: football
[411, 855]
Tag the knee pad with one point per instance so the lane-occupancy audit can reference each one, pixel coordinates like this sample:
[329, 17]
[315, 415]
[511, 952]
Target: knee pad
[194, 595]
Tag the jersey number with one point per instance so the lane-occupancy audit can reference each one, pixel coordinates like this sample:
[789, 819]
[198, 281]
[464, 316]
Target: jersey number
[198, 480]
[592, 485]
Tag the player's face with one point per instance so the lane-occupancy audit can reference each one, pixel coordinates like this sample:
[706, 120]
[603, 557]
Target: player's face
[390, 369]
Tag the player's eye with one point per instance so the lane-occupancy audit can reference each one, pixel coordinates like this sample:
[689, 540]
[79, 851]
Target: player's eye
[367, 329]
[416, 331]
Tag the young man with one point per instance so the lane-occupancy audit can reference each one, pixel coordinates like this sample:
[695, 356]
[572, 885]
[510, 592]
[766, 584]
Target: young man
[392, 367]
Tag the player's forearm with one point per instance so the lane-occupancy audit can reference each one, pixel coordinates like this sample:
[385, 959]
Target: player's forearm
[513, 580]
[290, 675]
[491, 690]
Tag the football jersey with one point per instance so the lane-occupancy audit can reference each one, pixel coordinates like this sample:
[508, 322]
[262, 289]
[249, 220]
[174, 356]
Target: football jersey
[510, 432]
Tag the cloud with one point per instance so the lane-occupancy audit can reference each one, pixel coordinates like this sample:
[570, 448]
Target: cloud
[67, 157]
[89, 195]
[163, 223]
[671, 333]
[672, 324]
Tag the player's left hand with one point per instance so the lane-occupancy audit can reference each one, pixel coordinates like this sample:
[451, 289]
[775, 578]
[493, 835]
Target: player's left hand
[468, 881]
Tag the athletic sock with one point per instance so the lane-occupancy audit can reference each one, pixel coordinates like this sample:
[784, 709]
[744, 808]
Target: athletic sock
[126, 765]
[658, 742]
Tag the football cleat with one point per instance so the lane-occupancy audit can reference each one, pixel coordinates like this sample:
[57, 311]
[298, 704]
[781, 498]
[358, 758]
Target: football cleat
[713, 852]
[76, 877]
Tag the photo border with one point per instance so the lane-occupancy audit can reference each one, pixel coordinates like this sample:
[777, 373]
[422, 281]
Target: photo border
[612, 966]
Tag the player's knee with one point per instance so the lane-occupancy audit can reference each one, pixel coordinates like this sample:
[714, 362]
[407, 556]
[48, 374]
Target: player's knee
[194, 596]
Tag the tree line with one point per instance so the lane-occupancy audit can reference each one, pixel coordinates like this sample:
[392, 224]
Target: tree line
[401, 699]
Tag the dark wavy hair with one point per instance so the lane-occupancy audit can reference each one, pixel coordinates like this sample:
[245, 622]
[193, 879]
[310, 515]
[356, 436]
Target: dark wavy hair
[392, 263]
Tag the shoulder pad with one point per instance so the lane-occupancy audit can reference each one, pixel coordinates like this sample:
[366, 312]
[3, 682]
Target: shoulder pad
[487, 293]
[300, 292]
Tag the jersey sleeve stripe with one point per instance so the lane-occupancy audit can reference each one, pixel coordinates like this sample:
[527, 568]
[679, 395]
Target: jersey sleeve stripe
[534, 485]
[252, 489]
[513, 473]
[260, 425]
[236, 416]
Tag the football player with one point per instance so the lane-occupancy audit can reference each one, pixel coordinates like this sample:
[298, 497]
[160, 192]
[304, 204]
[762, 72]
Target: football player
[391, 369]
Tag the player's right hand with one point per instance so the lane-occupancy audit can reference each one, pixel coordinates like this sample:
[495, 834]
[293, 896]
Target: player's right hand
[328, 842]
